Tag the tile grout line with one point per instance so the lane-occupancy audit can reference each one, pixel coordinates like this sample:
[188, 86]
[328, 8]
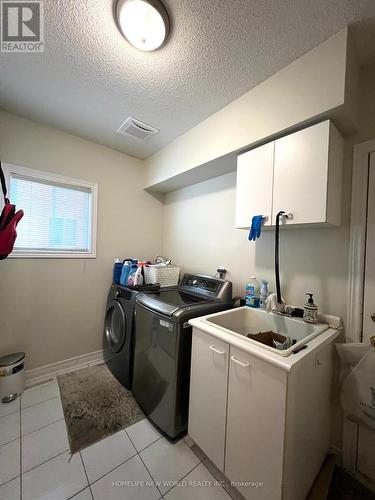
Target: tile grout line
[110, 471]
[9, 414]
[138, 453]
[44, 462]
[183, 477]
[61, 453]
[145, 448]
[170, 489]
[40, 402]
[27, 407]
[10, 480]
[9, 442]
[216, 475]
[87, 477]
[127, 460]
[44, 426]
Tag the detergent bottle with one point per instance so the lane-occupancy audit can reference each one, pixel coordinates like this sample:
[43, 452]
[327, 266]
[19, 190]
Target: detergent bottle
[131, 276]
[117, 266]
[126, 268]
[138, 277]
[253, 293]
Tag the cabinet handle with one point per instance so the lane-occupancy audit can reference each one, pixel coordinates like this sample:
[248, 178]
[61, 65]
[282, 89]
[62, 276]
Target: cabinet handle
[245, 365]
[216, 350]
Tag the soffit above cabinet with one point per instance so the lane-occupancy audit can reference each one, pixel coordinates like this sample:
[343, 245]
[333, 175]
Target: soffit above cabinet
[319, 85]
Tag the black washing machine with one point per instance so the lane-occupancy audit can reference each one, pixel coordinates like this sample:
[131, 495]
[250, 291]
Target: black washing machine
[118, 342]
[163, 347]
[118, 335]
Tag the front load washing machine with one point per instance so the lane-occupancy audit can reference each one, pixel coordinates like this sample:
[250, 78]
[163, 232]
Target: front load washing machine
[118, 335]
[118, 341]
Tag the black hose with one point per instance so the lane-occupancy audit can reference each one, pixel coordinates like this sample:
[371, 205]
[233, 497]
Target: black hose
[277, 259]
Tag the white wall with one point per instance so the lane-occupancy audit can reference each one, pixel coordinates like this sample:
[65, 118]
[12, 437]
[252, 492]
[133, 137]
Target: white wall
[53, 309]
[305, 89]
[367, 104]
[199, 233]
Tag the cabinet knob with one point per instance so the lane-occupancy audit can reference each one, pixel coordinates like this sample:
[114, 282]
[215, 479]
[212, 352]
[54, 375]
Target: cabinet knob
[373, 317]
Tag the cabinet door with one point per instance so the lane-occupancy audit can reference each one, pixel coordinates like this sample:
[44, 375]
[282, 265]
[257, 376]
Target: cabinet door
[255, 426]
[254, 185]
[208, 395]
[301, 175]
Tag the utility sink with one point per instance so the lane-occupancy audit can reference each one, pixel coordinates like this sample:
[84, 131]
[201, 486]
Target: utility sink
[245, 320]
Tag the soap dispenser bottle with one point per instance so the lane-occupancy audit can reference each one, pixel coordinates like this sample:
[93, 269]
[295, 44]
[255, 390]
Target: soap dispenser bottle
[310, 311]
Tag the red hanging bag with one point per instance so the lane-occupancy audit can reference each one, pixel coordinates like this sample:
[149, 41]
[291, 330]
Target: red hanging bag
[9, 219]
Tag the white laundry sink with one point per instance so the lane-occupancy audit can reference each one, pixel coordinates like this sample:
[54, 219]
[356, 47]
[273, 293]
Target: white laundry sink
[245, 320]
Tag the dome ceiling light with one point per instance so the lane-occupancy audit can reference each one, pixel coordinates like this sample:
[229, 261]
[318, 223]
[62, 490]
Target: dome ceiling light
[144, 23]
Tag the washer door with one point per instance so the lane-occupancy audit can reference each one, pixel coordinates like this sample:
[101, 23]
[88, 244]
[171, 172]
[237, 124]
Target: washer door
[115, 326]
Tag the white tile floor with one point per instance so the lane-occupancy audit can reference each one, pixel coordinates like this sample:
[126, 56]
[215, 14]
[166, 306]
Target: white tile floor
[135, 464]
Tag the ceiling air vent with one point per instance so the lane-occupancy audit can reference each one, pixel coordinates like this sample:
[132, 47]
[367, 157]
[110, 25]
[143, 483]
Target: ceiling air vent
[137, 129]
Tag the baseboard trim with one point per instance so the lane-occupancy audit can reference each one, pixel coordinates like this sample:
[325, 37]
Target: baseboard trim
[47, 373]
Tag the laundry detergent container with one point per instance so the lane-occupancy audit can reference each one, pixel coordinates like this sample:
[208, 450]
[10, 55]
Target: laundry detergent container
[12, 376]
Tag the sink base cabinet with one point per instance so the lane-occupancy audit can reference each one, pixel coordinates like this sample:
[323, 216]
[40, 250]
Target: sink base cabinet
[208, 395]
[307, 425]
[255, 426]
[265, 428]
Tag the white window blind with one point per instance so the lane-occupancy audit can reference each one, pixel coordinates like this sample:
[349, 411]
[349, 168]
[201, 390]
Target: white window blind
[58, 216]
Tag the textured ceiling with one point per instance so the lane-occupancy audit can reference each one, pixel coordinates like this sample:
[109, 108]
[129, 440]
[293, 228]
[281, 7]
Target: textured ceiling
[89, 79]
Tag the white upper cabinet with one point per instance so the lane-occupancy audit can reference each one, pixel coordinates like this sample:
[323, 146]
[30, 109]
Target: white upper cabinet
[307, 175]
[306, 171]
[254, 185]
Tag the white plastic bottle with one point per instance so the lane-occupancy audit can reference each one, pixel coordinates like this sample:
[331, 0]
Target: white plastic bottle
[263, 293]
[253, 293]
[138, 277]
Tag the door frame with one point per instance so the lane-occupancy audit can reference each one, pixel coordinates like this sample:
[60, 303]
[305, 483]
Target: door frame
[356, 277]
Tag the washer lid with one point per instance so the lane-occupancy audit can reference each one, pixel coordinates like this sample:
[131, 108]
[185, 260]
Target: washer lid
[168, 302]
[10, 359]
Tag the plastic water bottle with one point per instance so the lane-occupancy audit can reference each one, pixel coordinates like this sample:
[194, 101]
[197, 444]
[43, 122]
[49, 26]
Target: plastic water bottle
[263, 293]
[252, 293]
[117, 268]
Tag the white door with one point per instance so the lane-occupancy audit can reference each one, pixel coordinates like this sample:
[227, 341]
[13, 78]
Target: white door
[255, 426]
[366, 444]
[254, 185]
[301, 175]
[208, 395]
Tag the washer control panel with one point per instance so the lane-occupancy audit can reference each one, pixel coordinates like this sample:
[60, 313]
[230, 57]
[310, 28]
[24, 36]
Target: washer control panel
[212, 287]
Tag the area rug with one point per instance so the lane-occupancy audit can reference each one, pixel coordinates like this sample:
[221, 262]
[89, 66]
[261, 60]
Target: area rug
[95, 406]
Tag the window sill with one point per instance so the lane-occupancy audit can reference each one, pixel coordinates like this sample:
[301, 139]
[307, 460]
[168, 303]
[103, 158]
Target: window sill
[54, 255]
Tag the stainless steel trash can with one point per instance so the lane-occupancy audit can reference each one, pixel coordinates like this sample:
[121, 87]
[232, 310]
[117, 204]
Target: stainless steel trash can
[12, 376]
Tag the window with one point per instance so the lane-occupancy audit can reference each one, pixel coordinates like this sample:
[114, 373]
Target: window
[60, 214]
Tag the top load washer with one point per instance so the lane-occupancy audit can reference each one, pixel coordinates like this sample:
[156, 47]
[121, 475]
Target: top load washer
[163, 346]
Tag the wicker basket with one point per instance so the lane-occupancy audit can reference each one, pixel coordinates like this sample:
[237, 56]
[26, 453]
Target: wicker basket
[165, 276]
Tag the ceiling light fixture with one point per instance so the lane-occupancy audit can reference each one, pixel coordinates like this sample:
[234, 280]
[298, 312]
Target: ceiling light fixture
[144, 23]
